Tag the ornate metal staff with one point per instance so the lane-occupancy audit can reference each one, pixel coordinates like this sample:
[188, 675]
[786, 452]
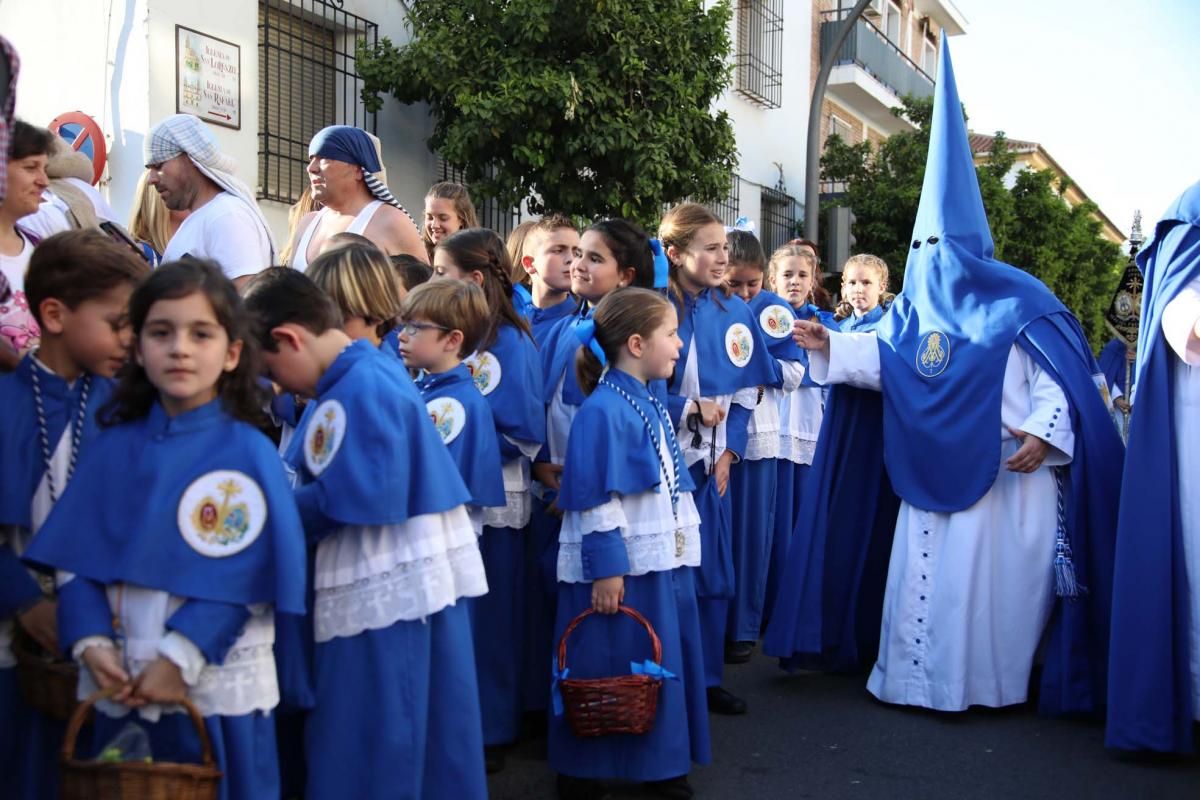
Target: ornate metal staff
[1124, 315]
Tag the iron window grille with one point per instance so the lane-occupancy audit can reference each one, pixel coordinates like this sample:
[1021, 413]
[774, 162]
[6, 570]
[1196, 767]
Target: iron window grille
[759, 59]
[306, 81]
[725, 207]
[489, 212]
[780, 215]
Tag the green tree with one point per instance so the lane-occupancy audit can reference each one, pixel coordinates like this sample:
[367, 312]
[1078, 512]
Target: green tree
[1031, 224]
[593, 107]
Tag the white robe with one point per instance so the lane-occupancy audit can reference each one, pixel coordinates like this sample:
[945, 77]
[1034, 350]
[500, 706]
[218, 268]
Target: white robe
[1178, 323]
[969, 593]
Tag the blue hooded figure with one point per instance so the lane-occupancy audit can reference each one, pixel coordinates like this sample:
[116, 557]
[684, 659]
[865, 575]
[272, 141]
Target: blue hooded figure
[1154, 694]
[999, 444]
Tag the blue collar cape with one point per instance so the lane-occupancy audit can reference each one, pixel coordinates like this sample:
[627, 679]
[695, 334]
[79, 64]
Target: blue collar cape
[517, 409]
[21, 467]
[558, 358]
[783, 348]
[474, 450]
[543, 320]
[345, 143]
[867, 322]
[705, 319]
[827, 615]
[127, 491]
[609, 449]
[391, 465]
[1150, 700]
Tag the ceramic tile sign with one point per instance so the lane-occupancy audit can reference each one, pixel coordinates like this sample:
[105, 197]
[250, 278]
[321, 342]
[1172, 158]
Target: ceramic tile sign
[208, 75]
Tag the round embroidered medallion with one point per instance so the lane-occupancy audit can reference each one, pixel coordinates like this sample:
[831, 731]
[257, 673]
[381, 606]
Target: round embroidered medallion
[933, 354]
[485, 371]
[449, 417]
[222, 513]
[776, 321]
[739, 344]
[324, 436]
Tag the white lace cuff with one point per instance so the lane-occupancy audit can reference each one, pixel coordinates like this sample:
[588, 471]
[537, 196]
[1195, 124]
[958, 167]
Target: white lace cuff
[90, 641]
[183, 653]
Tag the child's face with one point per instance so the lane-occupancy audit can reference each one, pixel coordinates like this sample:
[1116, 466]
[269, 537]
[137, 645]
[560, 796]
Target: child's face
[661, 349]
[441, 219]
[96, 332]
[445, 267]
[596, 272]
[423, 344]
[185, 350]
[794, 280]
[745, 280]
[703, 263]
[552, 255]
[860, 287]
[292, 365]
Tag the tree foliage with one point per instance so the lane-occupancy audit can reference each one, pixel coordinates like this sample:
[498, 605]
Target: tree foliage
[1031, 224]
[593, 107]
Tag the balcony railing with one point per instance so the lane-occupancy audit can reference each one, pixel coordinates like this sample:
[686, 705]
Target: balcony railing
[869, 48]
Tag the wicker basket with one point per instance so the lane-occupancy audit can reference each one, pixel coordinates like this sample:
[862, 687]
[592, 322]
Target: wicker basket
[133, 780]
[604, 706]
[47, 684]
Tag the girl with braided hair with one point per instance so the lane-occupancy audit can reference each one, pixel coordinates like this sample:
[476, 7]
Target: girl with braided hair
[507, 371]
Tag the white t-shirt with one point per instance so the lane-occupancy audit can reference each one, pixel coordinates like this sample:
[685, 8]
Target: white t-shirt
[51, 216]
[225, 231]
[17, 324]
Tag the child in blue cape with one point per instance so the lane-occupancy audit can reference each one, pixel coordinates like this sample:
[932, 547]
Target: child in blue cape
[630, 536]
[360, 280]
[78, 287]
[441, 324]
[753, 480]
[193, 540]
[725, 366]
[795, 275]
[828, 610]
[394, 710]
[507, 371]
[549, 248]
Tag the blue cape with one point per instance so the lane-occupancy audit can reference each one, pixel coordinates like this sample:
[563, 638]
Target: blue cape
[388, 463]
[558, 357]
[345, 143]
[708, 318]
[774, 317]
[543, 320]
[1150, 700]
[21, 467]
[144, 490]
[512, 391]
[828, 608]
[471, 440]
[1112, 364]
[609, 449]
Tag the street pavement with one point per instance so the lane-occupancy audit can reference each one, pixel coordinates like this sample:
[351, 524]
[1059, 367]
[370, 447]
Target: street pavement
[824, 737]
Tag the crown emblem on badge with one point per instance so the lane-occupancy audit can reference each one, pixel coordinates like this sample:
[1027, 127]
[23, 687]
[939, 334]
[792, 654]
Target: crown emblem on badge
[324, 436]
[739, 345]
[221, 513]
[776, 321]
[448, 416]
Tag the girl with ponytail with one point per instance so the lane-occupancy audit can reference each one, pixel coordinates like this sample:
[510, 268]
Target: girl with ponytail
[630, 536]
[507, 371]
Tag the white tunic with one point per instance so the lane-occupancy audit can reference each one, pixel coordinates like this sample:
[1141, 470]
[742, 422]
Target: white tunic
[1179, 322]
[969, 593]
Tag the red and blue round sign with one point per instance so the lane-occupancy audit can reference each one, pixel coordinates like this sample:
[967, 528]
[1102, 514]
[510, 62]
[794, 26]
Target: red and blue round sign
[83, 134]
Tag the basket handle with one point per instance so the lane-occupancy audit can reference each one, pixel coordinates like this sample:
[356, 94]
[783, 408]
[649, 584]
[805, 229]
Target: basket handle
[80, 714]
[655, 642]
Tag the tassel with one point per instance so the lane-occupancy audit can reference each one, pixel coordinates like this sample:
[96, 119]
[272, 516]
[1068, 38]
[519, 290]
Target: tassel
[1065, 582]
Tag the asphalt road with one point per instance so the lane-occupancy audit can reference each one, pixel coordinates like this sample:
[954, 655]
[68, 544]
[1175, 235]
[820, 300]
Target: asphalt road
[824, 737]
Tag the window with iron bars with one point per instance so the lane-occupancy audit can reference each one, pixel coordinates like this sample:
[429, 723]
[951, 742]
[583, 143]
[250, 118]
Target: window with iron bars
[780, 214]
[759, 59]
[306, 81]
[726, 207]
[490, 213]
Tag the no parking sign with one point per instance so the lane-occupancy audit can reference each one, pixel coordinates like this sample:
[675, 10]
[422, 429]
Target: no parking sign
[83, 134]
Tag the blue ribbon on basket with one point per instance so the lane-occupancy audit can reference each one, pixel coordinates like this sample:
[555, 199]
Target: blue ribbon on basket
[662, 267]
[585, 332]
[653, 669]
[555, 692]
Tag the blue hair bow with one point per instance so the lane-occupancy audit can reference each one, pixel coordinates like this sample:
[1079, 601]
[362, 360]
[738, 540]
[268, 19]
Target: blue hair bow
[585, 332]
[661, 265]
[653, 669]
[742, 224]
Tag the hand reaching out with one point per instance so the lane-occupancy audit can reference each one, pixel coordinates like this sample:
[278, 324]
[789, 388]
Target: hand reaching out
[811, 335]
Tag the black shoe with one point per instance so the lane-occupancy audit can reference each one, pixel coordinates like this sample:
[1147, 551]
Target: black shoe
[581, 789]
[674, 788]
[738, 652]
[721, 701]
[493, 759]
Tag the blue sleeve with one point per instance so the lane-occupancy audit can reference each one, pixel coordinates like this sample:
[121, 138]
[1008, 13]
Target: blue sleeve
[316, 524]
[211, 626]
[82, 611]
[737, 426]
[17, 587]
[508, 450]
[604, 555]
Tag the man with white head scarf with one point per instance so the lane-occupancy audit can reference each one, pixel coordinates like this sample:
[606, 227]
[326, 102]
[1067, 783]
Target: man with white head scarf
[345, 171]
[225, 223]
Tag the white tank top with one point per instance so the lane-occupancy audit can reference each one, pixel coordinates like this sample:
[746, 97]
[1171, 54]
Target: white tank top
[357, 225]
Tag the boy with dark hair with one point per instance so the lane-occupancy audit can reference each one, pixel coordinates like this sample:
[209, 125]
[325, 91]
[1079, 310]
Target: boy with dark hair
[78, 286]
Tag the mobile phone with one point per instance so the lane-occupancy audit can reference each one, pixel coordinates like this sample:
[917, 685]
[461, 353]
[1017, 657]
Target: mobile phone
[121, 236]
